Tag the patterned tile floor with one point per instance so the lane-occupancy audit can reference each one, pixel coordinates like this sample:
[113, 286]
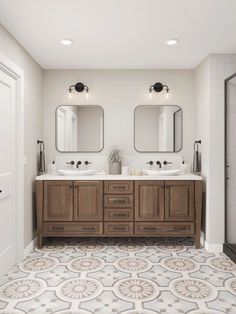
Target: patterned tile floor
[109, 276]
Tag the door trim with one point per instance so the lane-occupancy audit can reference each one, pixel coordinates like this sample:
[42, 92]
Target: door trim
[16, 73]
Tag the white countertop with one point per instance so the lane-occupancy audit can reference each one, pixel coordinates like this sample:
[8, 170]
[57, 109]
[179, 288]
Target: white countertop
[118, 177]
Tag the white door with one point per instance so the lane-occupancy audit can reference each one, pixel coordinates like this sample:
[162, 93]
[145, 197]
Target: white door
[7, 172]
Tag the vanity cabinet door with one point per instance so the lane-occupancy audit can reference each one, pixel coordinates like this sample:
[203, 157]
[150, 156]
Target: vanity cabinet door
[88, 201]
[149, 200]
[179, 200]
[58, 200]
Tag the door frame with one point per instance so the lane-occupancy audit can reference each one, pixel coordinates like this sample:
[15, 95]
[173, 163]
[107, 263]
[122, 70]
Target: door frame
[16, 73]
[228, 249]
[225, 148]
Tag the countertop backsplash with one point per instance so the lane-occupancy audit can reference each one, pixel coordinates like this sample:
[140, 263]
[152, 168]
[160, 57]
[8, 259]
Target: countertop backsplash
[98, 162]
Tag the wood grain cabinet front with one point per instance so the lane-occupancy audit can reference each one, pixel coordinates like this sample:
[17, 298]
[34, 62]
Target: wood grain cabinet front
[58, 200]
[164, 229]
[118, 229]
[88, 201]
[121, 214]
[73, 229]
[149, 201]
[118, 201]
[179, 200]
[119, 208]
[118, 187]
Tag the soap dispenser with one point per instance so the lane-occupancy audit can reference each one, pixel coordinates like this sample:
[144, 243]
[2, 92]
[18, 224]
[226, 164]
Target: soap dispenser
[53, 168]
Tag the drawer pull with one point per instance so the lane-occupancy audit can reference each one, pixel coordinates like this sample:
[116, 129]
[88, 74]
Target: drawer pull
[119, 228]
[120, 215]
[119, 187]
[58, 228]
[119, 201]
[180, 228]
[88, 228]
[150, 228]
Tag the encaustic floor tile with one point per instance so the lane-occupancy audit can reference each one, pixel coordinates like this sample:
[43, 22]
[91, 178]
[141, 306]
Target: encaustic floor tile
[128, 276]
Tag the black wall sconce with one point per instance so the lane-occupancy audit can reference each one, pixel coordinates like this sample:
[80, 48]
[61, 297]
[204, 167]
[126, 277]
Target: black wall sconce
[78, 87]
[158, 87]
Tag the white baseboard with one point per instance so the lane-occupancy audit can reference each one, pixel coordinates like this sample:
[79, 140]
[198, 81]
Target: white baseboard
[214, 248]
[202, 239]
[30, 247]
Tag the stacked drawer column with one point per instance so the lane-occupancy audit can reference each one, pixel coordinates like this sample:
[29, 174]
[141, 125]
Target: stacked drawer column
[118, 207]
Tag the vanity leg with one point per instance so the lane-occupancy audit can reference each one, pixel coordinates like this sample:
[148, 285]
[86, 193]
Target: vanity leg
[197, 241]
[40, 241]
[39, 211]
[198, 213]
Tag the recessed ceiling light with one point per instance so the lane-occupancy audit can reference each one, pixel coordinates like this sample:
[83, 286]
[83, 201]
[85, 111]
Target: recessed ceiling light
[172, 41]
[66, 41]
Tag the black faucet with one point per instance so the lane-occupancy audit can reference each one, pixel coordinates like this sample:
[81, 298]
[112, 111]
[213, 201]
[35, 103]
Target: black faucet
[167, 163]
[150, 163]
[87, 163]
[78, 163]
[158, 164]
[70, 162]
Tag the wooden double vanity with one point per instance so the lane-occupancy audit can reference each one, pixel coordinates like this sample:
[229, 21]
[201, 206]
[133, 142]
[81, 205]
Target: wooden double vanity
[102, 206]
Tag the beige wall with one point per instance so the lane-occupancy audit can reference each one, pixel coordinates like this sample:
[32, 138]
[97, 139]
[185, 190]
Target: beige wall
[119, 92]
[33, 120]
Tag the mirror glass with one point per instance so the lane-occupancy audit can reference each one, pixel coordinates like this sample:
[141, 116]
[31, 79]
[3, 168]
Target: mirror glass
[79, 128]
[158, 128]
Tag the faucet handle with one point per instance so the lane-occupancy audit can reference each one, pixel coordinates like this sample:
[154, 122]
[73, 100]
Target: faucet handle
[70, 162]
[150, 163]
[78, 163]
[166, 162]
[87, 163]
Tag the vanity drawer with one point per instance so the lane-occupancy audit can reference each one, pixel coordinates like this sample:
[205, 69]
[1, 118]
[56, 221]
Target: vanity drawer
[119, 228]
[118, 187]
[112, 214]
[73, 229]
[164, 229]
[118, 201]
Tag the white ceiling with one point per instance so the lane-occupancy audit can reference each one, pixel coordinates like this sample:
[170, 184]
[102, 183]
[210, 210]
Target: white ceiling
[121, 33]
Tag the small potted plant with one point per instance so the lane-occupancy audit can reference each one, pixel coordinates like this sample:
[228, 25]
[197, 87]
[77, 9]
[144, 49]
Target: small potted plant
[114, 160]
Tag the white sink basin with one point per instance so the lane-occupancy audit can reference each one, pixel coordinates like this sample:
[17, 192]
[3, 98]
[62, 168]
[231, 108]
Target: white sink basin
[71, 172]
[172, 172]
